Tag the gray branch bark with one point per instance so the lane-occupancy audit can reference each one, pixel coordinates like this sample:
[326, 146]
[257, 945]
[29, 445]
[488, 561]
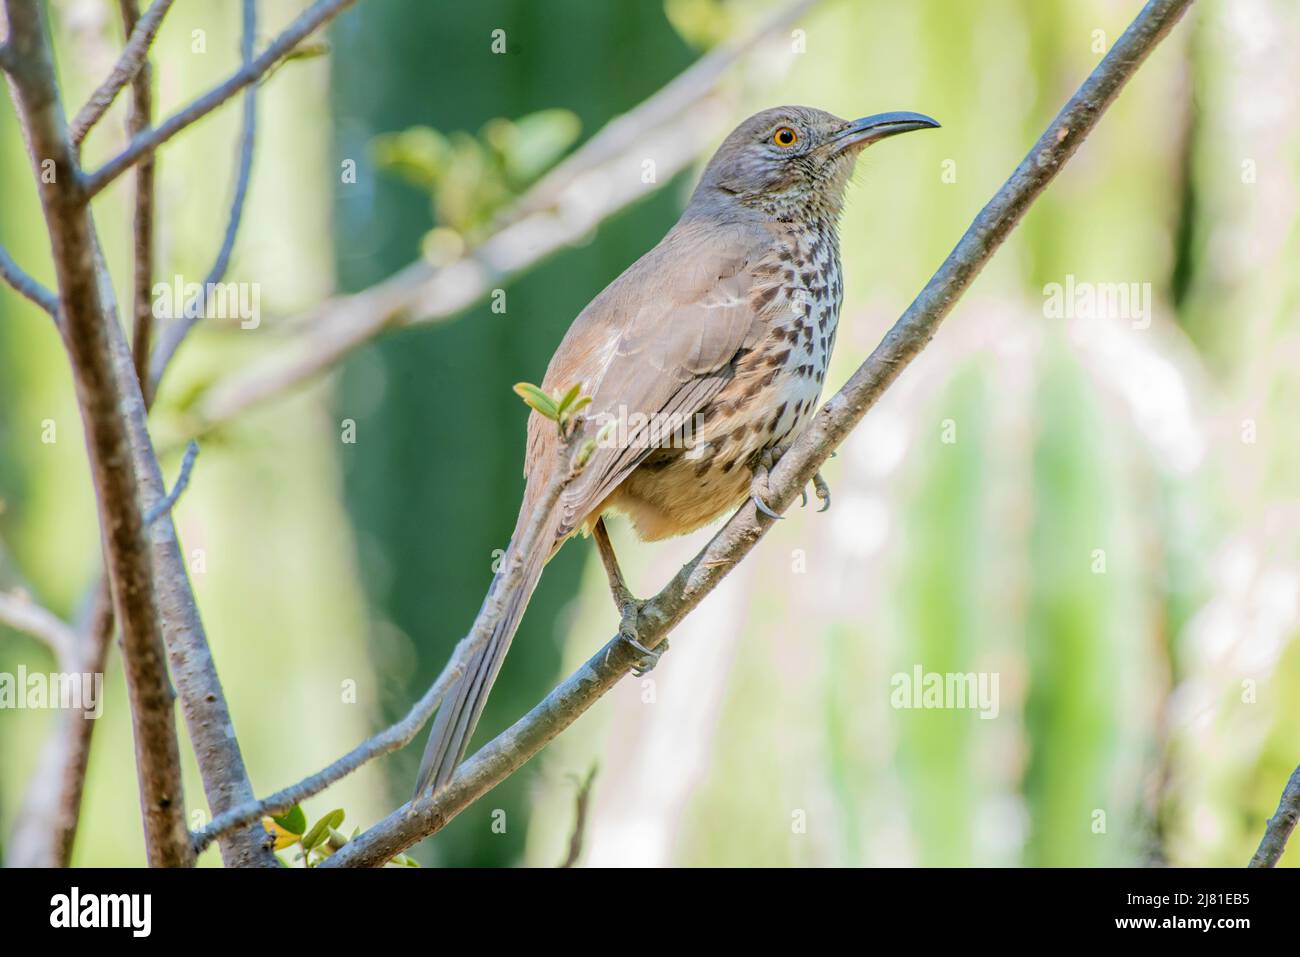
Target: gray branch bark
[46, 825]
[311, 19]
[129, 481]
[1278, 830]
[20, 613]
[141, 78]
[89, 329]
[141, 32]
[507, 752]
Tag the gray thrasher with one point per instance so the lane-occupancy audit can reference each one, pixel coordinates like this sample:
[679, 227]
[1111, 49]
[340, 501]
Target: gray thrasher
[728, 323]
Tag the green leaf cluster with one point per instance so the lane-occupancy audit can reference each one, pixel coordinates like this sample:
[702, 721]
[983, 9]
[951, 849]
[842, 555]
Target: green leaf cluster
[311, 845]
[471, 178]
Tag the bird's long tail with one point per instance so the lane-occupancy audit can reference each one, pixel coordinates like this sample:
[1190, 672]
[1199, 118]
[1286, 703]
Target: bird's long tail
[463, 703]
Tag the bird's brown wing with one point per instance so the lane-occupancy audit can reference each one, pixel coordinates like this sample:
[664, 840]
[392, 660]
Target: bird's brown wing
[659, 341]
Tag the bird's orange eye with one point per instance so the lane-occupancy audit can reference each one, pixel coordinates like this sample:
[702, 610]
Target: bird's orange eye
[785, 137]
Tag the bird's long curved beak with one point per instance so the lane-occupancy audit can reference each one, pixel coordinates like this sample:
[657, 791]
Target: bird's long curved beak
[871, 128]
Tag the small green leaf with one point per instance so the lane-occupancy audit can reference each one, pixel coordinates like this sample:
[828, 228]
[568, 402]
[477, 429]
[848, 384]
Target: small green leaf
[536, 399]
[420, 155]
[320, 830]
[532, 144]
[584, 454]
[309, 51]
[569, 396]
[294, 820]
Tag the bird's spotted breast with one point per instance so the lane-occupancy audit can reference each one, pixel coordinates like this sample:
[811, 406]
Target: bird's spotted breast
[770, 398]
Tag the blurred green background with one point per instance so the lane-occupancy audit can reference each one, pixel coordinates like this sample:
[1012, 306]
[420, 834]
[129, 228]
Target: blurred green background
[1100, 513]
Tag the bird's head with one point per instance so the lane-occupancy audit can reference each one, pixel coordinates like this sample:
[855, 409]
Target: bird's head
[793, 161]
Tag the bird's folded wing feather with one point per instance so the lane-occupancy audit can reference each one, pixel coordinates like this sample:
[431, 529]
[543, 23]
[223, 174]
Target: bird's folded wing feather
[658, 341]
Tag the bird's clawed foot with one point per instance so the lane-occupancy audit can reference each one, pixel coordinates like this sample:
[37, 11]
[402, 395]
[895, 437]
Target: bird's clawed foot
[759, 490]
[822, 491]
[627, 630]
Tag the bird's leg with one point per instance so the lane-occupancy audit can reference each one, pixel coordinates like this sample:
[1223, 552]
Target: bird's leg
[758, 489]
[629, 607]
[618, 589]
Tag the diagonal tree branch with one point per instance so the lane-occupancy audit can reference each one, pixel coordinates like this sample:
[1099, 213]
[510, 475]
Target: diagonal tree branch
[142, 31]
[511, 749]
[88, 330]
[310, 20]
[1278, 830]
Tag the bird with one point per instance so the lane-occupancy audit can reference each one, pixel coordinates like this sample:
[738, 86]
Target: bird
[724, 331]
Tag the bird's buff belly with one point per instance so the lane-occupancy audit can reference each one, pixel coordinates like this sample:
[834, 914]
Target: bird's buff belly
[679, 489]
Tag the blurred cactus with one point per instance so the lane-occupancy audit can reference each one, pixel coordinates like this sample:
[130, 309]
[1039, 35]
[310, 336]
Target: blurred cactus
[941, 602]
[1093, 694]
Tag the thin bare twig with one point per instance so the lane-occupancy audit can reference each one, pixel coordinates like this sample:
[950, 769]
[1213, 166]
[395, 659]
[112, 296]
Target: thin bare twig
[675, 126]
[181, 325]
[569, 464]
[508, 751]
[142, 30]
[26, 286]
[89, 331]
[160, 509]
[46, 825]
[581, 803]
[1278, 830]
[310, 20]
[20, 613]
